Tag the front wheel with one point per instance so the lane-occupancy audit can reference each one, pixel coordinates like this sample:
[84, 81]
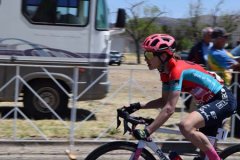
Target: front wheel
[230, 153]
[118, 150]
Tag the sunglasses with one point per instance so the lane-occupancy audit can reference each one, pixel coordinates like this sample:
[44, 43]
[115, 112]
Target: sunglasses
[149, 55]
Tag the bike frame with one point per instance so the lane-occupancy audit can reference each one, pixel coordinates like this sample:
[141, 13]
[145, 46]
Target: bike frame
[221, 135]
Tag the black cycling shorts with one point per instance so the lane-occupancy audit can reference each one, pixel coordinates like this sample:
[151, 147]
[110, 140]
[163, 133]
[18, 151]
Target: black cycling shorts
[222, 106]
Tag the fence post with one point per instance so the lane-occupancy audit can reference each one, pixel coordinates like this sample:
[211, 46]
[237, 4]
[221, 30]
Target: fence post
[130, 87]
[74, 108]
[16, 93]
[235, 120]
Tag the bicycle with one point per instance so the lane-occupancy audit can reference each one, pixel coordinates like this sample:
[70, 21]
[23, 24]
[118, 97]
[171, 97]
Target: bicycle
[138, 151]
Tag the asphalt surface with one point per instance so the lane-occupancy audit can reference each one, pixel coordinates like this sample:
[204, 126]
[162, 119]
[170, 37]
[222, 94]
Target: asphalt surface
[41, 151]
[56, 150]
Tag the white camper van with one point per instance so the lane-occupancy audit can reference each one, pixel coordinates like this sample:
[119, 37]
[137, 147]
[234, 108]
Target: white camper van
[54, 32]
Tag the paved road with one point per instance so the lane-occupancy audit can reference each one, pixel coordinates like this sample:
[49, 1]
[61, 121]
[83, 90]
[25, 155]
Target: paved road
[51, 150]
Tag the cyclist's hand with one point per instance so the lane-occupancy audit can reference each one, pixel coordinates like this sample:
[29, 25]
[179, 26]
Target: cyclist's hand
[133, 107]
[140, 134]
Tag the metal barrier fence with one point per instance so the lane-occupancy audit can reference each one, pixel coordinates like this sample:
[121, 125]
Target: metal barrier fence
[93, 119]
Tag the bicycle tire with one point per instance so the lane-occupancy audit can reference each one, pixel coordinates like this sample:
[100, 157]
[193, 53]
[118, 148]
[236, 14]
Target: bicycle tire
[118, 145]
[230, 151]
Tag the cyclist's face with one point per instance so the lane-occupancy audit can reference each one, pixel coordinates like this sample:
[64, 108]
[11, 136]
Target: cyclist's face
[152, 60]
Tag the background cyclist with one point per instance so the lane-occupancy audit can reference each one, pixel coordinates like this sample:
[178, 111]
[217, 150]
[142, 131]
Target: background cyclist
[216, 102]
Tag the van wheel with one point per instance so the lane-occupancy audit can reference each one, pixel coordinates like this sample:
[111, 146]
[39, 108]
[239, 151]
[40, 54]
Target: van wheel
[51, 94]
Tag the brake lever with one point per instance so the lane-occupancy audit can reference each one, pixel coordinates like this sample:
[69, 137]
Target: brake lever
[126, 127]
[118, 121]
[133, 126]
[127, 119]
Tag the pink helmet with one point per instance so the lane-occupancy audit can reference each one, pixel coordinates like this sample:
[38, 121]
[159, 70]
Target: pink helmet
[159, 42]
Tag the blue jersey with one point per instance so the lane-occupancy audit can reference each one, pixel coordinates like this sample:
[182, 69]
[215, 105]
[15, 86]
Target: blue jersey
[221, 60]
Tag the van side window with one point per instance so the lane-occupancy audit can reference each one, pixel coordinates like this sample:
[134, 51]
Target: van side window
[56, 12]
[102, 22]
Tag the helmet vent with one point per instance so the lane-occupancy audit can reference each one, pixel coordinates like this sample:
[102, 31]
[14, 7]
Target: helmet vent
[166, 39]
[147, 43]
[163, 46]
[154, 36]
[154, 42]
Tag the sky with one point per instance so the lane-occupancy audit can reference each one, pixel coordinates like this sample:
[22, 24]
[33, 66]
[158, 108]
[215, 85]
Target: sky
[175, 8]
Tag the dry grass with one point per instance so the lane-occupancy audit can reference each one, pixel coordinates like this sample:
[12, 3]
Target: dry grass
[129, 83]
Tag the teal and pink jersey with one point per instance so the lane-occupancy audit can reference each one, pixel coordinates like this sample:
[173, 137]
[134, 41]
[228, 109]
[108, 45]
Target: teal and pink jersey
[189, 77]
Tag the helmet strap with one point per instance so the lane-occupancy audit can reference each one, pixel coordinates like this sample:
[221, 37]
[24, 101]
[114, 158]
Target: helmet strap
[163, 62]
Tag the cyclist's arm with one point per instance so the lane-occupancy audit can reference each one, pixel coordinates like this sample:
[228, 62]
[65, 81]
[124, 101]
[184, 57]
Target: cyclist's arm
[157, 103]
[166, 111]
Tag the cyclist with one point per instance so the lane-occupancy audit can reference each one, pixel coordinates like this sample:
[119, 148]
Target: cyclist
[216, 102]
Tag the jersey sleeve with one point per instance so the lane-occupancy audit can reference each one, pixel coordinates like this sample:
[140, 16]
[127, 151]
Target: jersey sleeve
[175, 85]
[174, 81]
[165, 86]
[171, 86]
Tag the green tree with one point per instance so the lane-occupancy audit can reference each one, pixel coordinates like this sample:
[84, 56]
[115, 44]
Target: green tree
[195, 11]
[230, 21]
[166, 29]
[215, 13]
[138, 27]
[187, 32]
[183, 37]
